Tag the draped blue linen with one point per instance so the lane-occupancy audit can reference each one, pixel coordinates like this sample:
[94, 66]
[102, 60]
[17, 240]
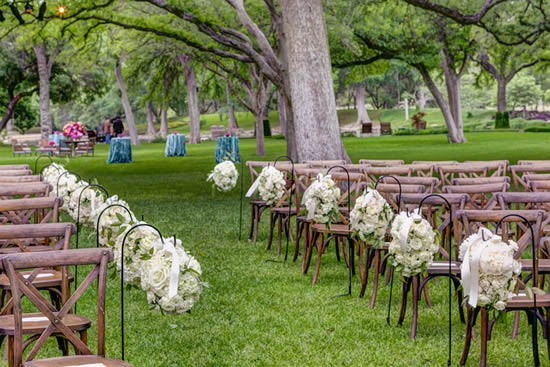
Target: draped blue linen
[58, 139]
[227, 147]
[175, 146]
[120, 150]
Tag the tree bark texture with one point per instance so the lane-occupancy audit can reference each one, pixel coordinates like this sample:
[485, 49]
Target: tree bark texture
[281, 108]
[44, 64]
[126, 103]
[192, 100]
[150, 120]
[231, 119]
[362, 114]
[164, 123]
[316, 127]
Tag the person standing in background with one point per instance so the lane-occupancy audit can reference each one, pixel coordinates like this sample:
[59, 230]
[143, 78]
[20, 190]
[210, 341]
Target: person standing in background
[107, 130]
[118, 126]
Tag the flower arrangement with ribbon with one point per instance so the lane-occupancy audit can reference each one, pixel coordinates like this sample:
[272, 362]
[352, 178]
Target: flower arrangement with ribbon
[270, 184]
[413, 245]
[171, 277]
[90, 201]
[320, 200]
[489, 270]
[371, 217]
[74, 130]
[224, 176]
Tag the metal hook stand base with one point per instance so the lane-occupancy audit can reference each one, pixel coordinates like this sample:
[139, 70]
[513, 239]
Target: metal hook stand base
[350, 269]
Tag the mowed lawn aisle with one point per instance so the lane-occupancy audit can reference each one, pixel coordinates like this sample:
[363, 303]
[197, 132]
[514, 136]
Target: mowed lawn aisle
[258, 313]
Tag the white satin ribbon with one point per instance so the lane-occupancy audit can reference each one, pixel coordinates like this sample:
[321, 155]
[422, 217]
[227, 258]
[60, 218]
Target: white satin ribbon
[92, 206]
[254, 187]
[470, 267]
[175, 270]
[406, 228]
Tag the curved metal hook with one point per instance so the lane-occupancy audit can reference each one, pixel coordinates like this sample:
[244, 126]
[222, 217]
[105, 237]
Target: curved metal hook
[349, 185]
[292, 183]
[101, 214]
[122, 275]
[102, 188]
[400, 189]
[40, 157]
[63, 174]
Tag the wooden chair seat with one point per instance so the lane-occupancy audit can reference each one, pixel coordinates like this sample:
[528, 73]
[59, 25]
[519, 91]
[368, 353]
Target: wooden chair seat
[45, 279]
[336, 229]
[258, 202]
[37, 323]
[521, 301]
[77, 361]
[284, 210]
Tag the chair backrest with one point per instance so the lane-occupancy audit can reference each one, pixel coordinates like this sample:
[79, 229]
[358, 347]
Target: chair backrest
[471, 220]
[519, 171]
[21, 286]
[479, 180]
[480, 195]
[356, 182]
[430, 183]
[538, 186]
[24, 191]
[15, 172]
[19, 179]
[387, 190]
[521, 200]
[461, 170]
[35, 237]
[542, 161]
[421, 169]
[325, 163]
[382, 162]
[495, 167]
[435, 163]
[373, 173]
[24, 211]
[14, 167]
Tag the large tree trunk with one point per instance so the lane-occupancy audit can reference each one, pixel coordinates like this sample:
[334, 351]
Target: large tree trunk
[44, 72]
[362, 114]
[150, 120]
[231, 119]
[316, 128]
[420, 98]
[164, 122]
[452, 82]
[281, 108]
[126, 104]
[192, 100]
[501, 94]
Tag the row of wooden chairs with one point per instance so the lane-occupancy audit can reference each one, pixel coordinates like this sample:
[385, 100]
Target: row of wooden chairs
[31, 238]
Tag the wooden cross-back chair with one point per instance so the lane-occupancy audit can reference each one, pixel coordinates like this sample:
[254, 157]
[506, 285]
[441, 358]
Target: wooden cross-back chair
[325, 163]
[19, 179]
[494, 167]
[24, 191]
[287, 207]
[472, 220]
[257, 205]
[480, 180]
[536, 177]
[14, 167]
[27, 211]
[434, 209]
[527, 162]
[480, 195]
[430, 183]
[54, 320]
[15, 172]
[382, 162]
[539, 186]
[373, 173]
[520, 171]
[435, 163]
[461, 170]
[421, 169]
[320, 235]
[388, 191]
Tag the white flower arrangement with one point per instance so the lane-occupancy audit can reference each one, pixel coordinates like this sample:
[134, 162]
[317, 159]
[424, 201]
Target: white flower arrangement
[90, 200]
[370, 217]
[489, 270]
[52, 172]
[224, 176]
[112, 220]
[271, 185]
[413, 245]
[137, 248]
[172, 287]
[320, 200]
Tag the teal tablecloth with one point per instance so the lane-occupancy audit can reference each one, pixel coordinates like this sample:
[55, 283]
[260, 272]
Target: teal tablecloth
[175, 146]
[58, 139]
[120, 151]
[227, 147]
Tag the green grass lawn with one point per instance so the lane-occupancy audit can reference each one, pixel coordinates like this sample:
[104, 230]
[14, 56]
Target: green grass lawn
[258, 313]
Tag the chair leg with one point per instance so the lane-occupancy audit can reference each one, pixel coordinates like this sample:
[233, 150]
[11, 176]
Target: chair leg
[256, 223]
[313, 238]
[484, 336]
[280, 224]
[271, 225]
[252, 212]
[363, 267]
[375, 279]
[415, 282]
[307, 238]
[468, 336]
[406, 288]
[516, 324]
[337, 249]
[11, 356]
[299, 231]
[548, 330]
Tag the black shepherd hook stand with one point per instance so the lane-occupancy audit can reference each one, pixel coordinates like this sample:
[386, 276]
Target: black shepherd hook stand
[241, 206]
[101, 214]
[90, 186]
[398, 211]
[450, 275]
[48, 165]
[39, 158]
[122, 275]
[534, 340]
[287, 226]
[65, 174]
[351, 246]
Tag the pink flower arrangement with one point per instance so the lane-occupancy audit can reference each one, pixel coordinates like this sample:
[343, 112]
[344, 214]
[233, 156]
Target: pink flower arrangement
[227, 134]
[175, 133]
[74, 130]
[51, 143]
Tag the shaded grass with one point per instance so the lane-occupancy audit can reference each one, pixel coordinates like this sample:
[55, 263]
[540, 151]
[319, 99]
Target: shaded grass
[257, 313]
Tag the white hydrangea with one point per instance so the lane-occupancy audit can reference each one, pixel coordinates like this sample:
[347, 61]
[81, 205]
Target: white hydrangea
[52, 172]
[370, 217]
[413, 245]
[112, 220]
[156, 274]
[90, 200]
[320, 200]
[272, 184]
[497, 269]
[224, 176]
